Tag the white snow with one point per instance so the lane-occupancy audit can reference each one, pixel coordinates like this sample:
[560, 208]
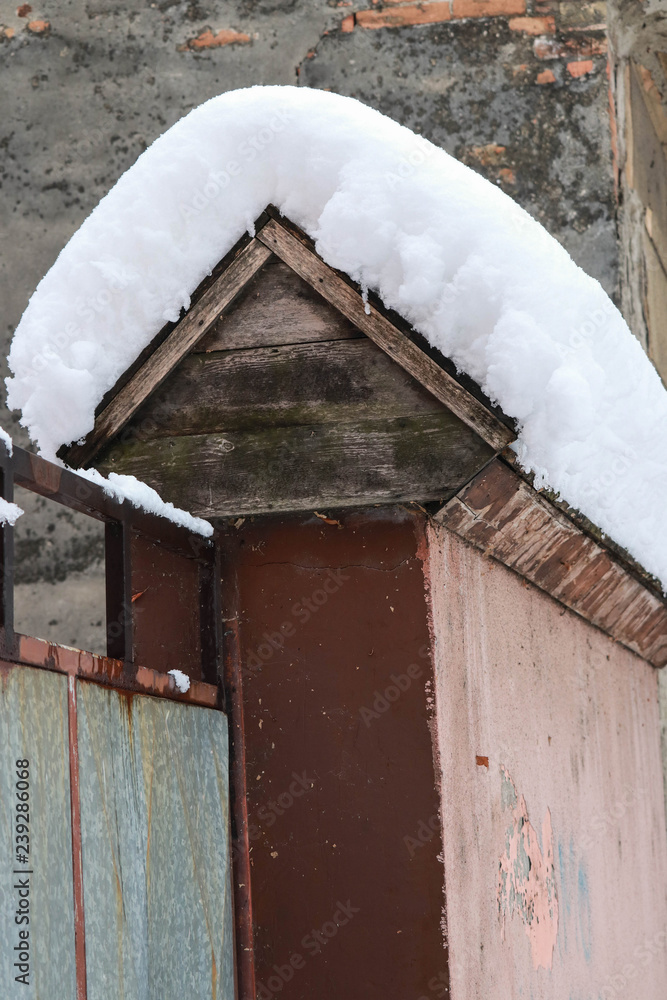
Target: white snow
[145, 497]
[9, 512]
[182, 680]
[449, 251]
[7, 441]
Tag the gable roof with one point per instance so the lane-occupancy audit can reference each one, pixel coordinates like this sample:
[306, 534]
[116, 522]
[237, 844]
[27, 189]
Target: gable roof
[463, 265]
[274, 235]
[498, 510]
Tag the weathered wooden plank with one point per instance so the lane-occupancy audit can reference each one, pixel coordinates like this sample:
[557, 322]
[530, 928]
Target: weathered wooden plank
[376, 326]
[276, 307]
[501, 514]
[281, 386]
[155, 841]
[181, 340]
[33, 727]
[423, 457]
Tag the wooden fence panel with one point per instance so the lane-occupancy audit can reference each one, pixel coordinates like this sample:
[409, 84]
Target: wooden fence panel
[155, 843]
[37, 884]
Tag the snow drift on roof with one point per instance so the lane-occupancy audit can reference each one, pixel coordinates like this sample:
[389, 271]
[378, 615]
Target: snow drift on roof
[450, 252]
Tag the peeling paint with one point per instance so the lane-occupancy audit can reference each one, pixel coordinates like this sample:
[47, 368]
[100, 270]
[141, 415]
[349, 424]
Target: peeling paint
[526, 880]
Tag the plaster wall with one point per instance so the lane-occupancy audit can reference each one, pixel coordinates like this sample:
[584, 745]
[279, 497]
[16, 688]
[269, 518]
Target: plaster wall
[555, 851]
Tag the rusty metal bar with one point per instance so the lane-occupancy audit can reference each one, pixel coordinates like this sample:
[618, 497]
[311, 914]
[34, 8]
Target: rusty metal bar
[73, 491]
[118, 580]
[210, 612]
[107, 671]
[241, 895]
[121, 520]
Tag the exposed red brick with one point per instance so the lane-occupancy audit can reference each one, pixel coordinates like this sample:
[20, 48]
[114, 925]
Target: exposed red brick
[533, 25]
[488, 8]
[546, 76]
[38, 27]
[347, 24]
[580, 68]
[23, 10]
[507, 174]
[397, 17]
[207, 40]
[9, 32]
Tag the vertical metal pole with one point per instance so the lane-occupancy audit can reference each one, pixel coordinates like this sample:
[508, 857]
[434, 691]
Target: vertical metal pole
[118, 567]
[210, 620]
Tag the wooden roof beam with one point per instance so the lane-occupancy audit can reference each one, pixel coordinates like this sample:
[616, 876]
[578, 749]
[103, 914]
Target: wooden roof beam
[510, 521]
[180, 341]
[336, 290]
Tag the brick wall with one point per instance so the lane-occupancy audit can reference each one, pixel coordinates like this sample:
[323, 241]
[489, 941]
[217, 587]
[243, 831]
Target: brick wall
[517, 89]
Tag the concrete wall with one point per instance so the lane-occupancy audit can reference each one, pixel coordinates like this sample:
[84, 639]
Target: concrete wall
[555, 847]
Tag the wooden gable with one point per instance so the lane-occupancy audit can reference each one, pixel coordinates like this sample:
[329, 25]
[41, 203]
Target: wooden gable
[267, 397]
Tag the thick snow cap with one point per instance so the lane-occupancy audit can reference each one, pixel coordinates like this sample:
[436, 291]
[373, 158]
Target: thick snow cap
[446, 249]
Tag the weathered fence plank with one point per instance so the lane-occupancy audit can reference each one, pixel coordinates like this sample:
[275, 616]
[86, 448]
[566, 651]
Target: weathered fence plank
[155, 841]
[33, 727]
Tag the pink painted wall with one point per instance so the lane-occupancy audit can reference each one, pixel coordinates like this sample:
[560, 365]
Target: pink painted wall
[556, 853]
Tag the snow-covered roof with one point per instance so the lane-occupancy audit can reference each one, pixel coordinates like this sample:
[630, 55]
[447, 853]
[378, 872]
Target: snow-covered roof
[454, 255]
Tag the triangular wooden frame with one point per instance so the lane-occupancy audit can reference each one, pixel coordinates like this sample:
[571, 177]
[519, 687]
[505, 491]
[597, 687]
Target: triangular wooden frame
[276, 236]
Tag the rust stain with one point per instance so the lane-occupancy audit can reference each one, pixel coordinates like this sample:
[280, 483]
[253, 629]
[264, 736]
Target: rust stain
[482, 761]
[526, 877]
[105, 670]
[23, 10]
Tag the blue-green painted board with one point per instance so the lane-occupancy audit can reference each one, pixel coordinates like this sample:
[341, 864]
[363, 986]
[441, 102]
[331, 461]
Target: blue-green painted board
[34, 727]
[155, 842]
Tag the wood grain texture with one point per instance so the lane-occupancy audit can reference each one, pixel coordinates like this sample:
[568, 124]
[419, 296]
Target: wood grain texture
[33, 725]
[424, 457]
[181, 340]
[502, 515]
[276, 307]
[376, 326]
[156, 864]
[317, 383]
